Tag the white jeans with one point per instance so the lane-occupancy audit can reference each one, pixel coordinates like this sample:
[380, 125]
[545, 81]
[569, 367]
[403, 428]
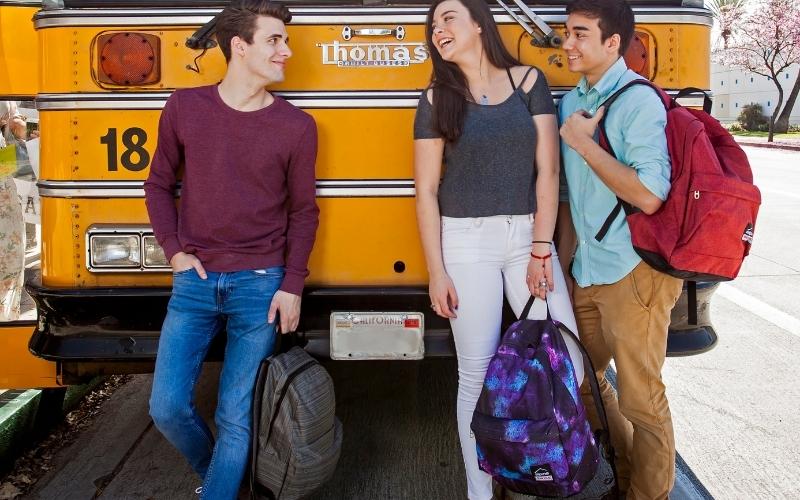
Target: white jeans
[487, 257]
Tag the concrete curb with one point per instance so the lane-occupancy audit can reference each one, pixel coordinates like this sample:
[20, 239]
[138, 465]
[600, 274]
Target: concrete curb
[20, 420]
[769, 145]
[17, 416]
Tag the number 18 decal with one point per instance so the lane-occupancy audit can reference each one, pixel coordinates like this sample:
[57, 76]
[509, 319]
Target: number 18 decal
[134, 157]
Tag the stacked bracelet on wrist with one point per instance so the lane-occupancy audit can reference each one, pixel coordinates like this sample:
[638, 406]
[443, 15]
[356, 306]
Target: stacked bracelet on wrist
[541, 257]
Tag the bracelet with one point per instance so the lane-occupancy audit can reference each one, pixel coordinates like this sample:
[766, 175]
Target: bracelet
[541, 257]
[540, 241]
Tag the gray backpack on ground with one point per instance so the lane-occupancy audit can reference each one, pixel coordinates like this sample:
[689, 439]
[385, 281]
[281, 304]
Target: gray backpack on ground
[296, 435]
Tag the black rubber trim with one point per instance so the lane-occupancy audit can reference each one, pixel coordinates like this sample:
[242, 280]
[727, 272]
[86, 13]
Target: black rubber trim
[691, 296]
[691, 342]
[124, 324]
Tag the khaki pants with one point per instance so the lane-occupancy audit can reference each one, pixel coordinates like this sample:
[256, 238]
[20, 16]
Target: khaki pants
[628, 321]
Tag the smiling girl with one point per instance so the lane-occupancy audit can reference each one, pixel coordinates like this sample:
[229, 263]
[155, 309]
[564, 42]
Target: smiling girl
[486, 219]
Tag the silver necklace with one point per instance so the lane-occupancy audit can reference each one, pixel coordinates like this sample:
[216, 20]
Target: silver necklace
[484, 98]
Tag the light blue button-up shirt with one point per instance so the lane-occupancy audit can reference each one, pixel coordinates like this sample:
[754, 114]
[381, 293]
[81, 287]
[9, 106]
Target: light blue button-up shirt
[635, 126]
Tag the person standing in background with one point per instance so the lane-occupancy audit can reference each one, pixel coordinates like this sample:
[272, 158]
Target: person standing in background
[12, 224]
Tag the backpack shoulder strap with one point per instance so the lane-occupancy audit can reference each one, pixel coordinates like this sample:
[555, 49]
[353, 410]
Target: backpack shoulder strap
[606, 144]
[665, 98]
[607, 223]
[588, 368]
[257, 409]
[527, 309]
[590, 376]
[594, 385]
[694, 90]
[261, 378]
[284, 390]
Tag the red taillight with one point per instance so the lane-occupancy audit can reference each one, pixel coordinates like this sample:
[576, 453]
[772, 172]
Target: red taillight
[128, 58]
[637, 57]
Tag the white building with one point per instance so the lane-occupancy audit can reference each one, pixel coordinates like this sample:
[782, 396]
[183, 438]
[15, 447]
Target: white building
[734, 88]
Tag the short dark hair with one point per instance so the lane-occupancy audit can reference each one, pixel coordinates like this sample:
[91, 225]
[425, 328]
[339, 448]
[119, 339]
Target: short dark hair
[615, 16]
[239, 19]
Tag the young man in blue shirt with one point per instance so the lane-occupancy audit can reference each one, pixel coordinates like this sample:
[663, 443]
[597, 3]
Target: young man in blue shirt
[622, 305]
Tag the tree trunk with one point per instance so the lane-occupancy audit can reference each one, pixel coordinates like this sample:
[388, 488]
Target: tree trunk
[777, 109]
[772, 125]
[782, 123]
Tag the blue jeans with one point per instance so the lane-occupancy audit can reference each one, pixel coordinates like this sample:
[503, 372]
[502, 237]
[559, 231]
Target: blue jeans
[197, 310]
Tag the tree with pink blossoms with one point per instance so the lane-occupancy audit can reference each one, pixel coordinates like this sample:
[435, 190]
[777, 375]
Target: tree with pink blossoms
[767, 42]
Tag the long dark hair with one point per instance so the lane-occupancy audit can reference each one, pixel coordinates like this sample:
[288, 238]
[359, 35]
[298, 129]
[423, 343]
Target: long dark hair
[450, 89]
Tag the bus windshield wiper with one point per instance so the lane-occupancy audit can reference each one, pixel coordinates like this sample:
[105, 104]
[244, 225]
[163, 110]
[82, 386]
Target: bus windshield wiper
[543, 35]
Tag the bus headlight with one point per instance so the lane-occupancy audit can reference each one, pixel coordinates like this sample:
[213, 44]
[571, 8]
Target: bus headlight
[153, 253]
[120, 251]
[124, 248]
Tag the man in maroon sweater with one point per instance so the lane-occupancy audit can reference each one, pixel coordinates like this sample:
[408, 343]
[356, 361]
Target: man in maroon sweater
[240, 240]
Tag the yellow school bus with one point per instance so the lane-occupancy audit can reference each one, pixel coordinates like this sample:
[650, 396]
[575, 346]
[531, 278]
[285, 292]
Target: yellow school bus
[100, 72]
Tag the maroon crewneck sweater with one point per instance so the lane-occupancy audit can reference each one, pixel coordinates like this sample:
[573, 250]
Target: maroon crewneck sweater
[248, 186]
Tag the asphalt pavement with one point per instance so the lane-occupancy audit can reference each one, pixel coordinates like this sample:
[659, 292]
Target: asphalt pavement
[400, 441]
[735, 408]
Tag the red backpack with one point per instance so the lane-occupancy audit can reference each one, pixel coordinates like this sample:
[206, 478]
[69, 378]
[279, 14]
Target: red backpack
[704, 229]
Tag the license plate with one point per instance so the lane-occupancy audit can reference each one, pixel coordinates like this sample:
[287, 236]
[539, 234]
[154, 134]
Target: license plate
[377, 335]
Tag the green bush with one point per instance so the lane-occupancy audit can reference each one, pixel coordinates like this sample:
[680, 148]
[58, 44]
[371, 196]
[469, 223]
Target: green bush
[794, 128]
[734, 127]
[752, 117]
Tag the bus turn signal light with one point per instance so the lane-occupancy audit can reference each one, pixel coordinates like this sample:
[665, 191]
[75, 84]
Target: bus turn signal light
[637, 57]
[128, 59]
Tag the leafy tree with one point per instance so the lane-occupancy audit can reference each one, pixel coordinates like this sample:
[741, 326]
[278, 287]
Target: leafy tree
[766, 42]
[727, 14]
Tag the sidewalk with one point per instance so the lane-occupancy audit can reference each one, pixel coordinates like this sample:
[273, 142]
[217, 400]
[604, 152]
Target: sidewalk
[761, 142]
